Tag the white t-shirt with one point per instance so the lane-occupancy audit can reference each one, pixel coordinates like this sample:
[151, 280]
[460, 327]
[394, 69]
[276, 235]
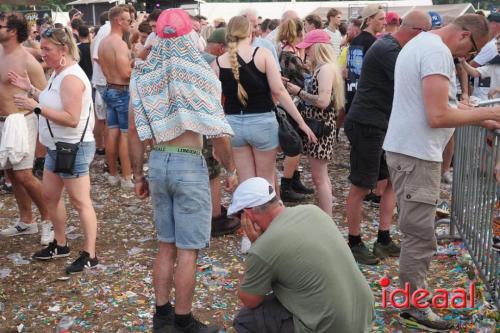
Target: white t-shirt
[408, 132]
[492, 72]
[51, 97]
[482, 85]
[335, 40]
[98, 78]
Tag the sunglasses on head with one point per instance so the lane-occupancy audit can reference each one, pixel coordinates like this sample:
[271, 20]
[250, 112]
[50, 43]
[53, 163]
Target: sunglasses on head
[49, 33]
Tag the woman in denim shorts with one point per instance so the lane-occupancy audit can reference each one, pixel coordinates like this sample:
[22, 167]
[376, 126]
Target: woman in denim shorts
[250, 79]
[65, 114]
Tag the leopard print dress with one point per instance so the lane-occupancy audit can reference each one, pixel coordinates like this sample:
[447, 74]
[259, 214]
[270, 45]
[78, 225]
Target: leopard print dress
[323, 150]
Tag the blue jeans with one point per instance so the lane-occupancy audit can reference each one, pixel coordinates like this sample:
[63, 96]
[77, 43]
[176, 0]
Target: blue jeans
[83, 159]
[116, 108]
[180, 194]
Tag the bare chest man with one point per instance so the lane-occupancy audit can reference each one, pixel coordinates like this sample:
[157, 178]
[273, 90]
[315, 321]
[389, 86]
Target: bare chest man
[114, 58]
[21, 62]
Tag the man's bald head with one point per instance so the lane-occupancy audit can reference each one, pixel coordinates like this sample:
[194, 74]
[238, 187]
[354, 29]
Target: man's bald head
[289, 14]
[417, 19]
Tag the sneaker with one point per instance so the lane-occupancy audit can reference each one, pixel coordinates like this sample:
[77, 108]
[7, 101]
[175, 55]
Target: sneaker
[496, 244]
[363, 255]
[83, 261]
[52, 251]
[113, 180]
[447, 177]
[7, 188]
[443, 209]
[163, 324]
[195, 326]
[425, 319]
[20, 228]
[372, 199]
[383, 251]
[47, 235]
[127, 184]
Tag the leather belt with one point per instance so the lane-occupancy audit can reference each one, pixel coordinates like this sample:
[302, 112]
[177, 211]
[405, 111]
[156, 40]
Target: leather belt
[117, 86]
[4, 118]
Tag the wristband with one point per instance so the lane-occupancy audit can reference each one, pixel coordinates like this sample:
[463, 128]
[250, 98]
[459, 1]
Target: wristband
[231, 174]
[298, 94]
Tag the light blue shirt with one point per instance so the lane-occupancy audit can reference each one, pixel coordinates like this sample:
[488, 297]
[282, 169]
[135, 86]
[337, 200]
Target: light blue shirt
[261, 42]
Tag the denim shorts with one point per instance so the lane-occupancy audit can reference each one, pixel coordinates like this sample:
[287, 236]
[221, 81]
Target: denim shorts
[180, 195]
[116, 108]
[83, 159]
[258, 130]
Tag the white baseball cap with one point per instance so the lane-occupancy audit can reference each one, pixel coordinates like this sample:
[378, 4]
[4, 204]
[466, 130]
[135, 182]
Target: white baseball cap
[251, 193]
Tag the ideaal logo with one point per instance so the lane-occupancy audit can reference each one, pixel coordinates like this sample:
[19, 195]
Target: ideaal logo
[440, 298]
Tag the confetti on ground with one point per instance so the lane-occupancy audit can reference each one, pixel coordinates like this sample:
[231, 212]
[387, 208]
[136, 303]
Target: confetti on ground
[118, 295]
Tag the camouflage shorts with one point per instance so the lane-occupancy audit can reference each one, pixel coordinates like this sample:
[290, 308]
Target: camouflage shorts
[213, 166]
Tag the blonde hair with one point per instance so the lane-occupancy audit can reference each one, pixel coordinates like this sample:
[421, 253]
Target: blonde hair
[238, 29]
[207, 31]
[63, 37]
[290, 31]
[325, 55]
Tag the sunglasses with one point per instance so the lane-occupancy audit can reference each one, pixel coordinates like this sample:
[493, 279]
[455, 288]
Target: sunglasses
[476, 49]
[49, 33]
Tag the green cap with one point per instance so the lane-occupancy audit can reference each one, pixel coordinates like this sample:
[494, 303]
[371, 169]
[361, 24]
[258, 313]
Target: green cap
[218, 36]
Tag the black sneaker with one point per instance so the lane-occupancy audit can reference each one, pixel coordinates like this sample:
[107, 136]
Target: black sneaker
[372, 199]
[52, 251]
[83, 261]
[383, 251]
[195, 326]
[425, 319]
[363, 255]
[163, 324]
[496, 244]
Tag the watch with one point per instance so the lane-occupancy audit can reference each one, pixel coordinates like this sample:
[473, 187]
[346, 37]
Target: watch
[37, 110]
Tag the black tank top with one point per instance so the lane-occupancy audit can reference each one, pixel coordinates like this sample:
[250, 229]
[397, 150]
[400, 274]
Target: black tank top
[255, 84]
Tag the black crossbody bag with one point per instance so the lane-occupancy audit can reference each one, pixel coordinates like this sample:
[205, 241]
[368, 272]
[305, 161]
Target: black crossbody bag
[66, 152]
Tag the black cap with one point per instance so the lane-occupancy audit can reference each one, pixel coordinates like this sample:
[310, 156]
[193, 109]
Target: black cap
[494, 17]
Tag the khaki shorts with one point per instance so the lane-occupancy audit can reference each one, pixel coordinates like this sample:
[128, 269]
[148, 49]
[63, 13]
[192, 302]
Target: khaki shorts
[27, 162]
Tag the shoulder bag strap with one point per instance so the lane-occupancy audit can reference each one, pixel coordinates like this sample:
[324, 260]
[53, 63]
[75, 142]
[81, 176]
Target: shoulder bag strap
[84, 130]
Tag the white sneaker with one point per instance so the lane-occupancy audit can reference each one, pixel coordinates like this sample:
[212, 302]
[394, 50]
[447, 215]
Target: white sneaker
[113, 180]
[245, 245]
[20, 228]
[47, 235]
[447, 177]
[126, 184]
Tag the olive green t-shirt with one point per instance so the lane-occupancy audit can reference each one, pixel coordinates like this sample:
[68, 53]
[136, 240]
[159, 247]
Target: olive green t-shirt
[305, 261]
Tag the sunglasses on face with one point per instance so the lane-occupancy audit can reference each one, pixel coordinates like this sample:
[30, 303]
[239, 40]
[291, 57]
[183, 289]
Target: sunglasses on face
[474, 45]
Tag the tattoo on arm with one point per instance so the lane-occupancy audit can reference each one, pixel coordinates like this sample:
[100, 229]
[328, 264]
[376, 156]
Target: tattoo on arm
[313, 99]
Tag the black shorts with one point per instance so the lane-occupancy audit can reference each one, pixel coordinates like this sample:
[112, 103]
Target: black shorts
[368, 163]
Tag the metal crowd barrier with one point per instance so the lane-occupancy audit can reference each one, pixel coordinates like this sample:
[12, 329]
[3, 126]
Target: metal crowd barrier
[474, 195]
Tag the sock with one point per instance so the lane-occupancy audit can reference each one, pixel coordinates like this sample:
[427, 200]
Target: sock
[384, 237]
[182, 320]
[164, 310]
[354, 240]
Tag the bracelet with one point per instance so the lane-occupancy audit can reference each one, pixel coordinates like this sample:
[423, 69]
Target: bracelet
[231, 174]
[298, 94]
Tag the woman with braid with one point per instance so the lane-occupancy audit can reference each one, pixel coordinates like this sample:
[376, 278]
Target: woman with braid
[250, 79]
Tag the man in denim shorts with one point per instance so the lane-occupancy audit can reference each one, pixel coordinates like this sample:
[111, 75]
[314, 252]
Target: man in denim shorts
[116, 65]
[185, 106]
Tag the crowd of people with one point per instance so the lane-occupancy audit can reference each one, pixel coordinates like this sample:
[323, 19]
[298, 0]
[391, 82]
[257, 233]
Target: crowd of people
[192, 98]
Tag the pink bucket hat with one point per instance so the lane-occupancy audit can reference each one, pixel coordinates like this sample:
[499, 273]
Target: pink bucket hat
[317, 36]
[173, 23]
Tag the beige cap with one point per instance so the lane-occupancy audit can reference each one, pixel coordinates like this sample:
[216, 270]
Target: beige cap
[370, 10]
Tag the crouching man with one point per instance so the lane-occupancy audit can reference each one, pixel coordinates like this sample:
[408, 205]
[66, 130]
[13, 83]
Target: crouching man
[300, 274]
